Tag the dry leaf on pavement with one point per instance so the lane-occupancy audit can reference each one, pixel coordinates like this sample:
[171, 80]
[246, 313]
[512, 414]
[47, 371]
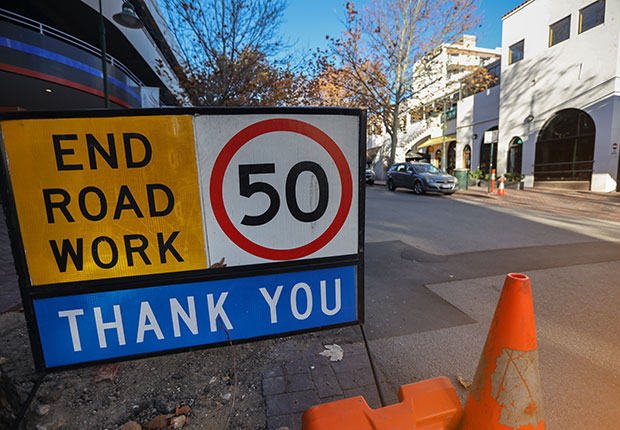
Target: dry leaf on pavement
[106, 371]
[334, 352]
[466, 384]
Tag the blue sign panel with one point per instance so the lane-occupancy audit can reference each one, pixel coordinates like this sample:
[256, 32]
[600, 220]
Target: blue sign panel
[89, 327]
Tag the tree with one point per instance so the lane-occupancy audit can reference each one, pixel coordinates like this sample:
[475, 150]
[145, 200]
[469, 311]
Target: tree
[232, 52]
[388, 54]
[478, 80]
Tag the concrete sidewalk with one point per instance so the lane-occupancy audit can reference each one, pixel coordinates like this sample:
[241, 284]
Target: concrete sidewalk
[575, 311]
[595, 205]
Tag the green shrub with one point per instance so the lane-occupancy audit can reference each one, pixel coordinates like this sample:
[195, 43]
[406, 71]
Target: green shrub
[513, 177]
[476, 174]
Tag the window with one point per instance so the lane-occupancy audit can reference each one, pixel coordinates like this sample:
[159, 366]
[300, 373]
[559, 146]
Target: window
[591, 16]
[516, 52]
[515, 155]
[559, 31]
[467, 157]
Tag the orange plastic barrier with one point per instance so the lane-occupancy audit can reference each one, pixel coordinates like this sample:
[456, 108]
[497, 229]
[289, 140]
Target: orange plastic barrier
[427, 405]
[506, 393]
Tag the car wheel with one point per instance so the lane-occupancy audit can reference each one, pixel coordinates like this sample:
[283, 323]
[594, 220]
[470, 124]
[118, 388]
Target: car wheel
[417, 188]
[390, 185]
[371, 182]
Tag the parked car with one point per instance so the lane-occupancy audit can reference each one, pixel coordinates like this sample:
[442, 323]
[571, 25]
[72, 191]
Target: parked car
[421, 178]
[370, 176]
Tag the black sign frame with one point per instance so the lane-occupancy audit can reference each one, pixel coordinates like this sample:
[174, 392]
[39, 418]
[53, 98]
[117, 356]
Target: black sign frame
[30, 293]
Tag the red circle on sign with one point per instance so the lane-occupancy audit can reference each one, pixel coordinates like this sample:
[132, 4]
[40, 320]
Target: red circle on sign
[270, 126]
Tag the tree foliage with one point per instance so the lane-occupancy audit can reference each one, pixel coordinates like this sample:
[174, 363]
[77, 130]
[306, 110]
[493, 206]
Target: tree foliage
[233, 54]
[479, 80]
[387, 54]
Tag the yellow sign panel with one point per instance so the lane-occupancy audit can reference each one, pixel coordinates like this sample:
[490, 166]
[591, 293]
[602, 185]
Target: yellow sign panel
[106, 197]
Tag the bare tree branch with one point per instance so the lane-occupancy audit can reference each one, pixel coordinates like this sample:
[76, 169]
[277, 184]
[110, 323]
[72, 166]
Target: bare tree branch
[387, 54]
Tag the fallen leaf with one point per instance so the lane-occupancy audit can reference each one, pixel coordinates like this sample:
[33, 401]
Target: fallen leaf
[334, 352]
[106, 371]
[183, 410]
[159, 422]
[466, 384]
[218, 264]
[131, 425]
[178, 422]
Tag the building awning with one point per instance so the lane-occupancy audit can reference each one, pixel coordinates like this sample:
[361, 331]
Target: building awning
[436, 140]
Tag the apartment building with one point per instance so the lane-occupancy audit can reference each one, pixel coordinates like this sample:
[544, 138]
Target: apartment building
[559, 102]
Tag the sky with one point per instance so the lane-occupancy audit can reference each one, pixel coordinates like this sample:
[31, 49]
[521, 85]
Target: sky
[308, 21]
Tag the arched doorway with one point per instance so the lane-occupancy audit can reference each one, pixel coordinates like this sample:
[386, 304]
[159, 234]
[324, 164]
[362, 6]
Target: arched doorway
[451, 161]
[515, 155]
[485, 153]
[565, 148]
[467, 157]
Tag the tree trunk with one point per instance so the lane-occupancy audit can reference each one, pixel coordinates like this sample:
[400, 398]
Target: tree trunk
[394, 134]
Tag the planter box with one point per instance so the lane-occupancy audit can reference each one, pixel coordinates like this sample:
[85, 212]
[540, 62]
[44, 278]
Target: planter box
[485, 184]
[514, 185]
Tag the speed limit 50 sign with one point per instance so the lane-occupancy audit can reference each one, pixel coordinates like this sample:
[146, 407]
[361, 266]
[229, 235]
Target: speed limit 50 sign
[143, 231]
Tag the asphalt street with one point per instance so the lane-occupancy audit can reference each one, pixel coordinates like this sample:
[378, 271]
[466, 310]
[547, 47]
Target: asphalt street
[435, 266]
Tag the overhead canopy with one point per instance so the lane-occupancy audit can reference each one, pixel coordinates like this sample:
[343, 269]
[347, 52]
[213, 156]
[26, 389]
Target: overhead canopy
[436, 140]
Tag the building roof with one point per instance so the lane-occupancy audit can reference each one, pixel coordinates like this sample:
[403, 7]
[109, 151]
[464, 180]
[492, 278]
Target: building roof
[522, 5]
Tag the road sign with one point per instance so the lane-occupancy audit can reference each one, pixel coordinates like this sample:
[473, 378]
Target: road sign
[490, 136]
[144, 231]
[103, 198]
[614, 148]
[280, 189]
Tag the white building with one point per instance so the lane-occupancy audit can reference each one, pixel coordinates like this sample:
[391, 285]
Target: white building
[560, 93]
[422, 130]
[557, 108]
[476, 115]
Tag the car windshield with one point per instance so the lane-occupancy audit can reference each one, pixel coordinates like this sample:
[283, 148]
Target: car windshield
[426, 168]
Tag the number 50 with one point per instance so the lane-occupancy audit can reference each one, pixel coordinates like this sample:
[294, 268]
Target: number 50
[247, 189]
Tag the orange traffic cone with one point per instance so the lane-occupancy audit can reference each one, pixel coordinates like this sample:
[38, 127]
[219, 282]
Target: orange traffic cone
[506, 393]
[500, 190]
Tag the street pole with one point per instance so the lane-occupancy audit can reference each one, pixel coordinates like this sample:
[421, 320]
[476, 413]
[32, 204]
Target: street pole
[443, 133]
[104, 64]
[489, 187]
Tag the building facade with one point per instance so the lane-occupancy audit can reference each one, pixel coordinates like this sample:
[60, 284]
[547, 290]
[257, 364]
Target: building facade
[559, 103]
[554, 118]
[429, 129]
[50, 56]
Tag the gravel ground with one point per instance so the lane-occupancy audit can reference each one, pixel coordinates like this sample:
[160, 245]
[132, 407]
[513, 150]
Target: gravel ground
[221, 387]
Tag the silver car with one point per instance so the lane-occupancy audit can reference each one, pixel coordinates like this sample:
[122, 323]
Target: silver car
[370, 176]
[421, 178]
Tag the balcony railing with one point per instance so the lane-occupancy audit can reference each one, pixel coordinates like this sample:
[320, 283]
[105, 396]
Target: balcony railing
[67, 38]
[564, 171]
